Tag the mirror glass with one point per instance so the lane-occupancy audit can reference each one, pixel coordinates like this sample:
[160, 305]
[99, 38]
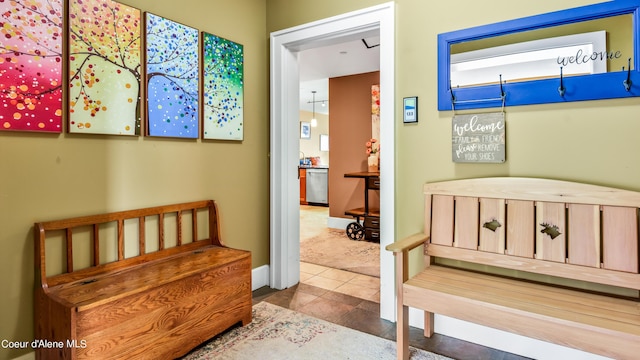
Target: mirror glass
[589, 47]
[585, 53]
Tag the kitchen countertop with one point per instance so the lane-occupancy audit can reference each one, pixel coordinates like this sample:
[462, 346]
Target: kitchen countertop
[313, 166]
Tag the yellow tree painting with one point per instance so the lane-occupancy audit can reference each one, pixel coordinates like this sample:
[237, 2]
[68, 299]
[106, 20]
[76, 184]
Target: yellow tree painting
[104, 67]
[31, 65]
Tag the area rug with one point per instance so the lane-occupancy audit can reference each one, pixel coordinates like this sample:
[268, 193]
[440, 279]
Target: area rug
[279, 333]
[333, 248]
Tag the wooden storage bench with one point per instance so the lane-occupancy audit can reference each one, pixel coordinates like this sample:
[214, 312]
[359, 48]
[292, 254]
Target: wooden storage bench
[141, 284]
[513, 232]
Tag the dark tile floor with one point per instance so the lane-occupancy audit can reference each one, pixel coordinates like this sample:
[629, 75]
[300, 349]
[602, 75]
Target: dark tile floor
[364, 315]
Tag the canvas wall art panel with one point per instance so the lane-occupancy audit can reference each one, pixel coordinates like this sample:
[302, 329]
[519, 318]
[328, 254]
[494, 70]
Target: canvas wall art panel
[172, 78]
[223, 88]
[31, 65]
[375, 112]
[104, 67]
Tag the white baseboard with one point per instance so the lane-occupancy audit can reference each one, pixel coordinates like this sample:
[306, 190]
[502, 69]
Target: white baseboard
[498, 339]
[338, 223]
[259, 277]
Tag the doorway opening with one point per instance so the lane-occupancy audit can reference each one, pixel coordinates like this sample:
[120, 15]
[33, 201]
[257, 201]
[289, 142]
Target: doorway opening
[284, 152]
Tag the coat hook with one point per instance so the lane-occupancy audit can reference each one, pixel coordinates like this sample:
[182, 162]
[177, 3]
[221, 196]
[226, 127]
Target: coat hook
[561, 89]
[627, 82]
[453, 98]
[501, 89]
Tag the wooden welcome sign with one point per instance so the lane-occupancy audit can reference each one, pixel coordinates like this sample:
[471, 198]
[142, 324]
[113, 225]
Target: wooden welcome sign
[478, 138]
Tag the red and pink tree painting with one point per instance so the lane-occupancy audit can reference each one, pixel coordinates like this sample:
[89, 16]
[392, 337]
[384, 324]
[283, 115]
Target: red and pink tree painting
[104, 67]
[31, 65]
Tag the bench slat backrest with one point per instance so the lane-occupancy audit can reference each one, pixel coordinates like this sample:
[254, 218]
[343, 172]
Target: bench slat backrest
[95, 222]
[546, 221]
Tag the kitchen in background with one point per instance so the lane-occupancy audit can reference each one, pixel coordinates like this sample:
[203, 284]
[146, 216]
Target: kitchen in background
[314, 150]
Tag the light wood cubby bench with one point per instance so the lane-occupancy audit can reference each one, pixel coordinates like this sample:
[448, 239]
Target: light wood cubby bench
[551, 260]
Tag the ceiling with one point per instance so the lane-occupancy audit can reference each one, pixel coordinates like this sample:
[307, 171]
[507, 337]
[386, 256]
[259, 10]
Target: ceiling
[320, 63]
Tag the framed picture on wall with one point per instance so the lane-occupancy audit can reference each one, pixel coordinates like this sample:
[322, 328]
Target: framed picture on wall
[104, 67]
[305, 130]
[172, 80]
[31, 66]
[324, 142]
[223, 66]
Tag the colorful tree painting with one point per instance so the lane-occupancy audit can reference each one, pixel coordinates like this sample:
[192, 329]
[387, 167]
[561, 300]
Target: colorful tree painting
[104, 67]
[31, 65]
[375, 112]
[223, 88]
[172, 78]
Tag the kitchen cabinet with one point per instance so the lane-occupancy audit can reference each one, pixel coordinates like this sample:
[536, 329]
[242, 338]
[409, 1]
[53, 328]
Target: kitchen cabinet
[302, 175]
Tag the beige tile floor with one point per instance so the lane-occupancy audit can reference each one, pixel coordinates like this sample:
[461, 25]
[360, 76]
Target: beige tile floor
[344, 282]
[341, 297]
[312, 220]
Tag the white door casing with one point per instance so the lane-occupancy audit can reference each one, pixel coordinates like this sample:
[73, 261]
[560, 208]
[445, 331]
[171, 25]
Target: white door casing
[284, 188]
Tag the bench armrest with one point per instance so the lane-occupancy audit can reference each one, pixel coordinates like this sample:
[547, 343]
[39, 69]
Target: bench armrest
[408, 243]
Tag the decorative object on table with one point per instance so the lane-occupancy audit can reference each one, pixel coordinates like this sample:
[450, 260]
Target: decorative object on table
[305, 130]
[31, 66]
[478, 138]
[172, 81]
[223, 88]
[410, 110]
[104, 67]
[373, 152]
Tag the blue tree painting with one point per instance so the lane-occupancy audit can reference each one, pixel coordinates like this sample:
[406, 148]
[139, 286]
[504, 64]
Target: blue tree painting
[223, 88]
[172, 78]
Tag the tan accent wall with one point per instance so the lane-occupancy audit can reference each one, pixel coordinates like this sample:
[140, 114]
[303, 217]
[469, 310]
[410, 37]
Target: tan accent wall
[350, 129]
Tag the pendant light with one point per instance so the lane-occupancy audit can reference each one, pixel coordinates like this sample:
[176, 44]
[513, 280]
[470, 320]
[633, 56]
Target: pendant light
[314, 121]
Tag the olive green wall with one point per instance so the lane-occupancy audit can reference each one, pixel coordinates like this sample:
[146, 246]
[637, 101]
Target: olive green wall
[594, 141]
[53, 176]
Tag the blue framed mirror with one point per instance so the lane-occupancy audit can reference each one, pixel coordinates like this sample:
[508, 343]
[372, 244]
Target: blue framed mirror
[584, 53]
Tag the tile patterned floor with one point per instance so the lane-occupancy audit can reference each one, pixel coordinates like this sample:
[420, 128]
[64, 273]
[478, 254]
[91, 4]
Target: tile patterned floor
[344, 282]
[364, 315]
[313, 220]
[353, 300]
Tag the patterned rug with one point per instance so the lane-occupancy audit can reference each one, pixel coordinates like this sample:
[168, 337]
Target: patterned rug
[333, 248]
[279, 333]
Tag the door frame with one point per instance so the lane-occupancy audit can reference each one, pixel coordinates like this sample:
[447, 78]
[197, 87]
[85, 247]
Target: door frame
[284, 188]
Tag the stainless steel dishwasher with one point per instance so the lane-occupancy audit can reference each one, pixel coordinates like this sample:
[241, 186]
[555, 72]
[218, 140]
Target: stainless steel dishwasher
[317, 185]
